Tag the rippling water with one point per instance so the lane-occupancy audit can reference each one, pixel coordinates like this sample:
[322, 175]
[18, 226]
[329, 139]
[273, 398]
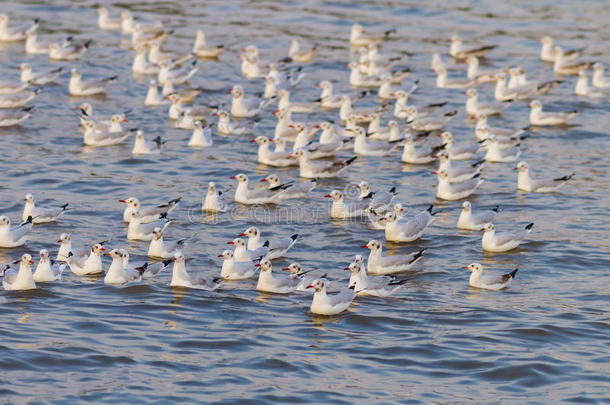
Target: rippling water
[545, 339]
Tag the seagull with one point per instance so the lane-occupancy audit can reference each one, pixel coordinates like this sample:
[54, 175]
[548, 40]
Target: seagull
[180, 277]
[414, 154]
[276, 247]
[242, 254]
[47, 270]
[159, 248]
[526, 183]
[8, 34]
[387, 92]
[328, 100]
[228, 127]
[14, 117]
[495, 282]
[503, 241]
[203, 50]
[117, 274]
[143, 147]
[214, 200]
[358, 37]
[474, 221]
[319, 169]
[141, 66]
[562, 66]
[278, 284]
[148, 270]
[474, 108]
[294, 190]
[455, 152]
[242, 107]
[202, 137]
[12, 87]
[39, 78]
[84, 265]
[21, 279]
[271, 158]
[41, 215]
[583, 89]
[379, 264]
[19, 99]
[543, 118]
[187, 95]
[65, 247]
[374, 286]
[176, 76]
[458, 51]
[407, 230]
[297, 54]
[500, 133]
[503, 93]
[548, 53]
[379, 198]
[69, 52]
[343, 209]
[96, 137]
[364, 147]
[194, 113]
[426, 122]
[105, 22]
[457, 174]
[79, 88]
[599, 80]
[245, 195]
[139, 231]
[497, 154]
[302, 107]
[33, 46]
[232, 270]
[478, 75]
[129, 24]
[156, 55]
[11, 237]
[455, 191]
[148, 214]
[324, 304]
[443, 82]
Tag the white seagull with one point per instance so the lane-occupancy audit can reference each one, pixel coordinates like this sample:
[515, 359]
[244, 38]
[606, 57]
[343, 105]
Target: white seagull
[47, 270]
[526, 183]
[475, 220]
[181, 278]
[324, 304]
[489, 282]
[380, 264]
[21, 279]
[493, 241]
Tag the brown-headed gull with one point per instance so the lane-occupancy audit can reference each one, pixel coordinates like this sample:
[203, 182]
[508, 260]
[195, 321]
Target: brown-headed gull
[498, 131]
[358, 36]
[15, 117]
[11, 237]
[503, 93]
[141, 146]
[291, 189]
[65, 247]
[97, 137]
[148, 270]
[474, 108]
[342, 208]
[11, 34]
[388, 92]
[457, 174]
[117, 274]
[12, 87]
[379, 198]
[407, 229]
[181, 278]
[139, 231]
[41, 215]
[365, 147]
[413, 153]
[319, 169]
[21, 279]
[241, 253]
[272, 158]
[328, 100]
[427, 122]
[324, 304]
[201, 137]
[444, 82]
[599, 80]
[242, 107]
[480, 76]
[298, 54]
[40, 78]
[156, 55]
[455, 191]
[526, 183]
[380, 264]
[48, 270]
[18, 100]
[459, 51]
[105, 22]
[543, 118]
[374, 286]
[162, 249]
[245, 195]
[148, 38]
[84, 265]
[548, 52]
[80, 88]
[296, 107]
[69, 52]
[129, 24]
[274, 283]
[488, 282]
[402, 111]
[233, 270]
[496, 153]
[493, 241]
[276, 247]
[33, 46]
[150, 213]
[458, 152]
[214, 200]
[563, 66]
[584, 90]
[202, 49]
[228, 127]
[176, 76]
[141, 65]
[475, 220]
[304, 277]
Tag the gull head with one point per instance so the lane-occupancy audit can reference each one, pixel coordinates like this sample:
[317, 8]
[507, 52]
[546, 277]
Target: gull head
[44, 255]
[64, 237]
[325, 84]
[222, 114]
[29, 198]
[299, 153]
[25, 67]
[357, 28]
[472, 93]
[392, 124]
[115, 254]
[390, 217]
[474, 267]
[237, 91]
[466, 206]
[26, 259]
[294, 268]
[535, 104]
[335, 195]
[488, 227]
[447, 137]
[398, 208]
[237, 242]
[157, 234]
[443, 155]
[473, 60]
[597, 66]
[364, 187]
[198, 125]
[132, 202]
[4, 220]
[251, 232]
[241, 178]
[265, 264]
[97, 249]
[178, 257]
[546, 40]
[354, 268]
[521, 166]
[353, 65]
[359, 259]
[227, 255]
[373, 245]
[318, 285]
[75, 73]
[272, 179]
[211, 187]
[102, 11]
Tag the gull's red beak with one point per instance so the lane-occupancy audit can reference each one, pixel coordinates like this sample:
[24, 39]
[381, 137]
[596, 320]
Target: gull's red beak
[59, 241]
[252, 140]
[346, 268]
[230, 243]
[215, 114]
[285, 268]
[220, 256]
[230, 90]
[125, 120]
[364, 246]
[309, 286]
[433, 172]
[515, 168]
[263, 179]
[270, 140]
[232, 177]
[257, 265]
[464, 267]
[102, 249]
[123, 201]
[328, 196]
[242, 234]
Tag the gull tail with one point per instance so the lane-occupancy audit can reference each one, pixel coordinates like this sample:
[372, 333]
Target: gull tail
[529, 226]
[513, 273]
[417, 256]
[565, 178]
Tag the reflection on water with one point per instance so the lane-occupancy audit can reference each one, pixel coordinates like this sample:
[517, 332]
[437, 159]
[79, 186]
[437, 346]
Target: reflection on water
[440, 341]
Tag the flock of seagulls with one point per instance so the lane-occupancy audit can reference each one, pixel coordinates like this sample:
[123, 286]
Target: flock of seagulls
[416, 133]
